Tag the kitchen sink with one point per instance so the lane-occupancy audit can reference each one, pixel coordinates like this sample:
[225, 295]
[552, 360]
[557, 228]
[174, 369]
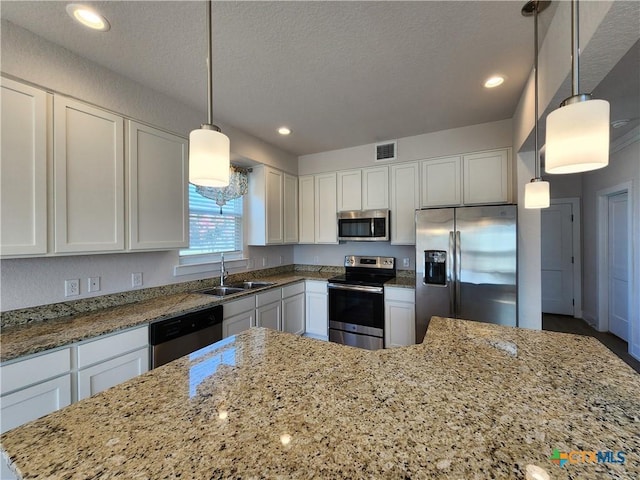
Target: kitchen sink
[223, 291]
[248, 285]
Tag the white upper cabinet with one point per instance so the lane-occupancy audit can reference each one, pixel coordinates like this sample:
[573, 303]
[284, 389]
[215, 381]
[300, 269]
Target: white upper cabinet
[471, 179]
[375, 188]
[349, 190]
[405, 200]
[441, 178]
[306, 205]
[23, 191]
[157, 187]
[273, 207]
[363, 189]
[486, 177]
[290, 208]
[326, 222]
[88, 178]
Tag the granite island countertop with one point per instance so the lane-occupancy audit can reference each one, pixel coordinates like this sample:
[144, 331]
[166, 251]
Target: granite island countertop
[474, 401]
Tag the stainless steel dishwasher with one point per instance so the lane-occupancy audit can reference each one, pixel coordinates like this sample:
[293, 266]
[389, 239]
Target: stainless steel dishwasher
[177, 336]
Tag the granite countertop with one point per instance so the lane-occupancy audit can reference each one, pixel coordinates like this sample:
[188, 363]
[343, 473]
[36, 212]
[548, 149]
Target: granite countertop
[474, 401]
[19, 340]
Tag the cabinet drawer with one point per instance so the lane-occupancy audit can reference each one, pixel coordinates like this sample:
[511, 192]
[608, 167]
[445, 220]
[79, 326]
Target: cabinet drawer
[112, 346]
[34, 402]
[316, 286]
[400, 294]
[238, 306]
[291, 290]
[266, 298]
[33, 370]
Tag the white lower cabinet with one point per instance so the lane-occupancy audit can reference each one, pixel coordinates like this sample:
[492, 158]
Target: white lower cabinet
[399, 317]
[110, 360]
[112, 372]
[269, 309]
[238, 316]
[293, 308]
[317, 309]
[34, 387]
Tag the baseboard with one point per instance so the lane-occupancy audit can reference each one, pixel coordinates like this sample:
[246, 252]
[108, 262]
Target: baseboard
[590, 319]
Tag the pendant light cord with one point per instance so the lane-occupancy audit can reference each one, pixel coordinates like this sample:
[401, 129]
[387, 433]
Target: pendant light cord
[210, 68]
[575, 46]
[535, 35]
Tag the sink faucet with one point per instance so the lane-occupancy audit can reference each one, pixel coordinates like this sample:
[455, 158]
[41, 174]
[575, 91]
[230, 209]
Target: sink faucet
[223, 272]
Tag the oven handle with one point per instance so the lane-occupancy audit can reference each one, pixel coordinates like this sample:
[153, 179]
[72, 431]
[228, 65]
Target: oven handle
[357, 288]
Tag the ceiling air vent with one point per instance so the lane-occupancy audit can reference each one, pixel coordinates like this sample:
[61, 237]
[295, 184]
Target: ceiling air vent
[386, 151]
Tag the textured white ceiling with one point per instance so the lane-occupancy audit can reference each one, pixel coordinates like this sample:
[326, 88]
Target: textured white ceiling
[338, 73]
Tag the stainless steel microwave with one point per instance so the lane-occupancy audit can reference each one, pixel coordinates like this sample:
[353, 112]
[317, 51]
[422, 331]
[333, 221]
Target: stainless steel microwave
[364, 225]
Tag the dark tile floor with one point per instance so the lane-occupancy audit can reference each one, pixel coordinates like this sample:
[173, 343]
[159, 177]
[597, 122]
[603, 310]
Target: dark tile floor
[567, 324]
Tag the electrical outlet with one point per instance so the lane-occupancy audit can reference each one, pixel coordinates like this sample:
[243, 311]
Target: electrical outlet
[405, 262]
[281, 259]
[316, 260]
[250, 263]
[72, 287]
[93, 285]
[264, 261]
[136, 279]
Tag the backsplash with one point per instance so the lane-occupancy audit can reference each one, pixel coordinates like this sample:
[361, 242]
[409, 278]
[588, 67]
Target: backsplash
[85, 305]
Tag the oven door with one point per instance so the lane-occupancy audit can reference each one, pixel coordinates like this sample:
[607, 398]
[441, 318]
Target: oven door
[356, 315]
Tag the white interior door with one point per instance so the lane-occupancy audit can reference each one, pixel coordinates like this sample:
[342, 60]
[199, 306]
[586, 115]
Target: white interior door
[618, 263]
[557, 259]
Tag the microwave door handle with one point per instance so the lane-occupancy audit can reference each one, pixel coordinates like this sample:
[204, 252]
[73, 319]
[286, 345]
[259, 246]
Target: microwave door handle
[449, 272]
[371, 226]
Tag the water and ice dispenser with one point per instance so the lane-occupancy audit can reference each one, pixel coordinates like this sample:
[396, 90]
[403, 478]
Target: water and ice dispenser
[435, 267]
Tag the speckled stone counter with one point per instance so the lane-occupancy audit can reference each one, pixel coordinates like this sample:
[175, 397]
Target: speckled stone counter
[474, 401]
[19, 340]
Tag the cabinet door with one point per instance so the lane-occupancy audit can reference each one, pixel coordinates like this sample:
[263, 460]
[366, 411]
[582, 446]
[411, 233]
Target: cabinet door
[238, 323]
[158, 189]
[88, 178]
[108, 374]
[269, 316]
[441, 182]
[326, 222]
[349, 188]
[400, 326]
[293, 314]
[316, 310]
[290, 209]
[23, 190]
[486, 178]
[306, 207]
[375, 188]
[34, 402]
[274, 196]
[405, 200]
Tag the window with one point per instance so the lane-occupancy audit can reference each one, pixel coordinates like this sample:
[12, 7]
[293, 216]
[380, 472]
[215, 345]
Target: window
[210, 231]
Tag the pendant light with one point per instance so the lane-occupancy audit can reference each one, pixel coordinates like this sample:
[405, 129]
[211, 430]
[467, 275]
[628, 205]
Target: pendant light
[536, 192]
[208, 146]
[578, 131]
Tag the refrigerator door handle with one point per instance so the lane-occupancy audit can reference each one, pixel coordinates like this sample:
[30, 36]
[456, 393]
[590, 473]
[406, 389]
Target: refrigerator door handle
[458, 273]
[450, 274]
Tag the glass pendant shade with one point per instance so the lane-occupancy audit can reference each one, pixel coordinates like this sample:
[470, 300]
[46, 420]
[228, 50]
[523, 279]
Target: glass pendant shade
[578, 137]
[536, 194]
[208, 158]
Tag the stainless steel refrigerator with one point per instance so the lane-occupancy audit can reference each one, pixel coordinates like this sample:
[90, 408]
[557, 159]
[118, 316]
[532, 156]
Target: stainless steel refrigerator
[466, 265]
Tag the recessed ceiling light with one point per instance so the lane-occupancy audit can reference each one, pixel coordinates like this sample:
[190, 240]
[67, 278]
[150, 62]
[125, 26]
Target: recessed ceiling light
[88, 17]
[494, 81]
[284, 130]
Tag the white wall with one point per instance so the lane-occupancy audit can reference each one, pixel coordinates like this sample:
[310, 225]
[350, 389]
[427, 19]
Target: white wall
[624, 166]
[32, 282]
[473, 138]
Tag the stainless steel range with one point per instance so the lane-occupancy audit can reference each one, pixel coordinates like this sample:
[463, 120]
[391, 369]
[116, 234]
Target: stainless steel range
[356, 301]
